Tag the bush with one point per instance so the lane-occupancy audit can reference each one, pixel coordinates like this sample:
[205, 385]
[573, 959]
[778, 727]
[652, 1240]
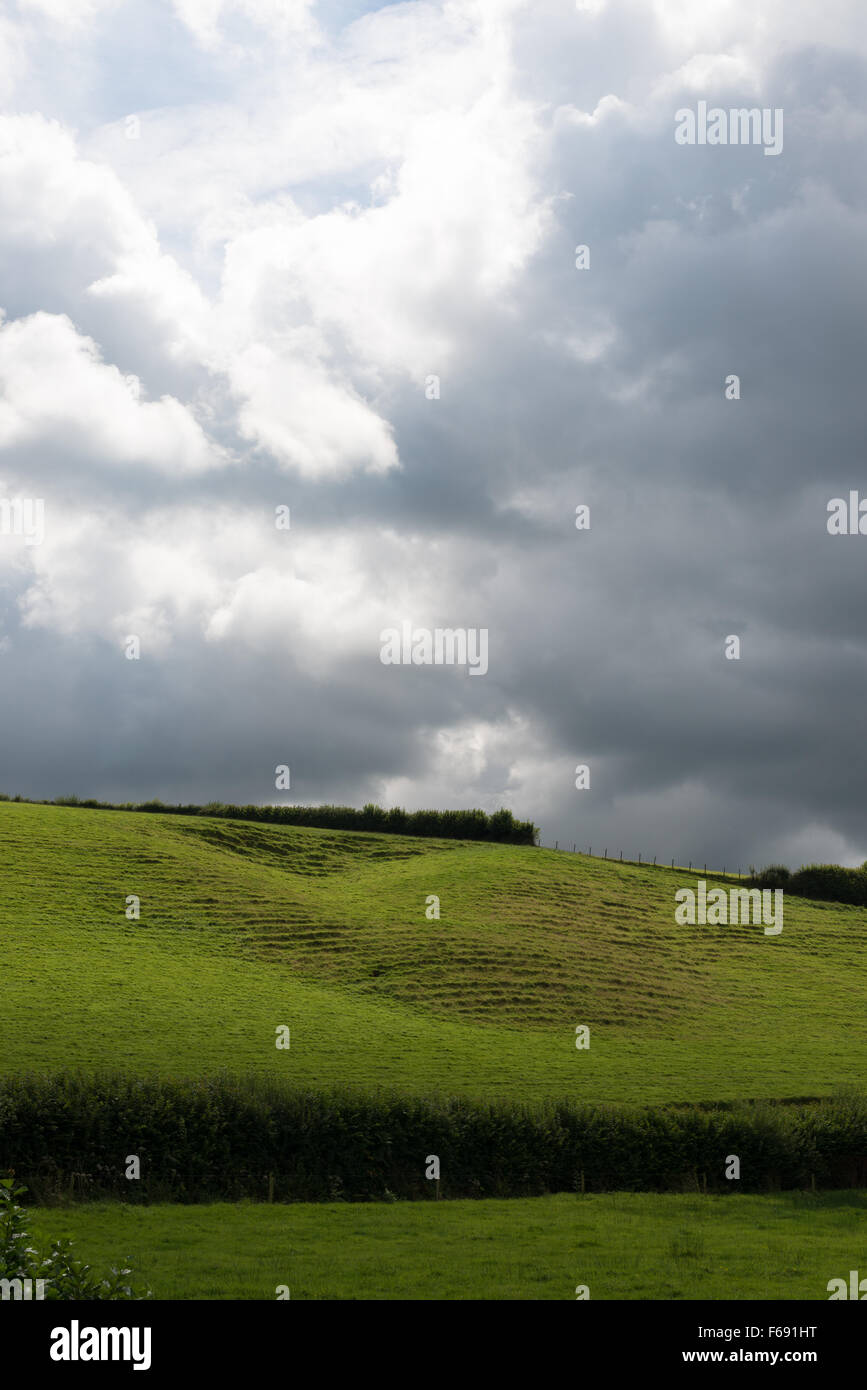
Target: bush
[774, 876]
[64, 1276]
[227, 1139]
[825, 882]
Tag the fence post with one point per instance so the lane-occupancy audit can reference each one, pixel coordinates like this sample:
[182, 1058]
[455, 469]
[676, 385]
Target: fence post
[590, 851]
[270, 1187]
[621, 856]
[654, 861]
[556, 844]
[639, 856]
[606, 854]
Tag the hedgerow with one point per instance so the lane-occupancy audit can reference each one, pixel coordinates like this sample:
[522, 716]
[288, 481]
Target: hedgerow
[499, 826]
[228, 1138]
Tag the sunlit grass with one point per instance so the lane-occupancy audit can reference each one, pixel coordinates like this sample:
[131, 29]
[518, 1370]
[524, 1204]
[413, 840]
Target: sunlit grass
[621, 1246]
[244, 927]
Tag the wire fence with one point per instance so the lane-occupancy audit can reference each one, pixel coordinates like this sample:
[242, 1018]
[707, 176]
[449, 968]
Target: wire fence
[643, 861]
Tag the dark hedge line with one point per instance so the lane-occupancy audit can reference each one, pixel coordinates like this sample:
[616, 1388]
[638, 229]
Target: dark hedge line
[826, 882]
[451, 825]
[231, 1138]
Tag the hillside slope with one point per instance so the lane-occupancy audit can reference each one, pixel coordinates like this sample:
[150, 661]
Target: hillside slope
[245, 927]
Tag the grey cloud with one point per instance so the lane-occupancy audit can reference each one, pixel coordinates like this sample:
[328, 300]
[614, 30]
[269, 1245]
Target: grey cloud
[708, 516]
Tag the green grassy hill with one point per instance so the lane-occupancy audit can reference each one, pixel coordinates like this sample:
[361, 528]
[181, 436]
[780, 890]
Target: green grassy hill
[245, 927]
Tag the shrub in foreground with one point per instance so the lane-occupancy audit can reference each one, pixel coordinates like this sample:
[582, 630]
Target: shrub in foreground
[62, 1275]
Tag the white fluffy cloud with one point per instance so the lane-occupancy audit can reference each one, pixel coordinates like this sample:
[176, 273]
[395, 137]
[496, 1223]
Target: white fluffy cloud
[57, 393]
[315, 425]
[228, 576]
[79, 227]
[72, 14]
[207, 19]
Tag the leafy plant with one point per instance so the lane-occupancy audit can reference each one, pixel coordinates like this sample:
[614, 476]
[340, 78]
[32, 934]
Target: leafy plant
[63, 1276]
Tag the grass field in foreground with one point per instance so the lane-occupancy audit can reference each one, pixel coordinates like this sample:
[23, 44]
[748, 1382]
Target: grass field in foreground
[621, 1245]
[245, 927]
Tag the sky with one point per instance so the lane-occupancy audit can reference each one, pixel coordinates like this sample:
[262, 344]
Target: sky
[270, 254]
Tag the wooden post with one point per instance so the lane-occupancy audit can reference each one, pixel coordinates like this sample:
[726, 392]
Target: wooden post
[606, 854]
[270, 1187]
[639, 856]
[654, 861]
[621, 856]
